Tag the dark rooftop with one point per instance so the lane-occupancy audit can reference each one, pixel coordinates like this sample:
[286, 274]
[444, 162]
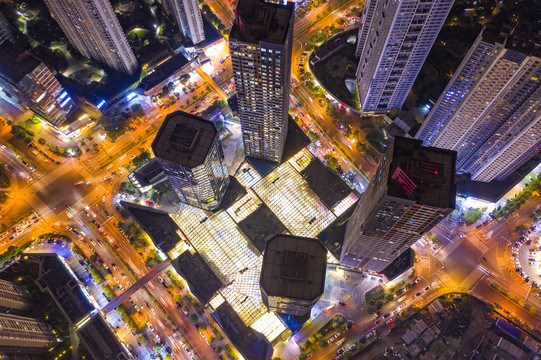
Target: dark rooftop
[211, 33]
[423, 174]
[258, 20]
[399, 265]
[202, 280]
[16, 62]
[260, 226]
[294, 267]
[251, 344]
[184, 139]
[234, 192]
[157, 224]
[100, 340]
[163, 71]
[64, 288]
[327, 185]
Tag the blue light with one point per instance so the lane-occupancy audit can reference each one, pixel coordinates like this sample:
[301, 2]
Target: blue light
[63, 95]
[100, 105]
[131, 96]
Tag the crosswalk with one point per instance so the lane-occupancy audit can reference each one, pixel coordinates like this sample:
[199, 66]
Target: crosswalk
[475, 275]
[478, 243]
[446, 280]
[49, 178]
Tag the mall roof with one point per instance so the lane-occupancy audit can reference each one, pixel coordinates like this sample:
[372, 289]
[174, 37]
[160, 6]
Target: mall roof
[184, 139]
[202, 281]
[423, 174]
[261, 21]
[294, 267]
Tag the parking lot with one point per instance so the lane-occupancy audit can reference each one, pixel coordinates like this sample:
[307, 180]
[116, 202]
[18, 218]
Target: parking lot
[527, 256]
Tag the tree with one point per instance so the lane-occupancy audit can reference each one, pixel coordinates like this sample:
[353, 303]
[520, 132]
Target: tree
[171, 287]
[347, 354]
[378, 304]
[93, 258]
[303, 356]
[438, 347]
[322, 342]
[332, 162]
[194, 318]
[389, 297]
[137, 110]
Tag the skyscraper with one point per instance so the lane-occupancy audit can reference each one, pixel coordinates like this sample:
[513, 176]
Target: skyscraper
[6, 32]
[28, 79]
[189, 152]
[188, 18]
[393, 42]
[260, 42]
[412, 191]
[92, 27]
[489, 112]
[293, 274]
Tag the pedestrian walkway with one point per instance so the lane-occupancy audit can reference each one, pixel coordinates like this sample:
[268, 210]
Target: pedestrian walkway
[478, 243]
[311, 328]
[48, 179]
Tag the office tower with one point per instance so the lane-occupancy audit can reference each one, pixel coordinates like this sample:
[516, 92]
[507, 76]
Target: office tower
[6, 32]
[494, 123]
[394, 41]
[24, 332]
[189, 151]
[188, 18]
[93, 28]
[13, 296]
[28, 79]
[260, 42]
[293, 274]
[412, 191]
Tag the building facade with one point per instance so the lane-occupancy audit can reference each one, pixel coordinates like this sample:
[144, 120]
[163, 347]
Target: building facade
[190, 154]
[30, 81]
[24, 332]
[6, 32]
[13, 296]
[393, 42]
[293, 274]
[412, 191]
[493, 121]
[188, 18]
[260, 42]
[93, 28]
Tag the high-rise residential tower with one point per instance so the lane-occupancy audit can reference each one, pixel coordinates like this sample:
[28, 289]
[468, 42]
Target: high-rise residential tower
[393, 42]
[188, 18]
[189, 152]
[13, 296]
[93, 28]
[260, 42]
[23, 332]
[489, 112]
[413, 190]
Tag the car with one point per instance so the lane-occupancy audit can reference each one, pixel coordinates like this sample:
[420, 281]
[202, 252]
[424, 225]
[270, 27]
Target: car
[418, 294]
[368, 336]
[527, 279]
[116, 280]
[386, 315]
[186, 349]
[428, 287]
[507, 312]
[107, 214]
[150, 326]
[378, 321]
[160, 278]
[123, 275]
